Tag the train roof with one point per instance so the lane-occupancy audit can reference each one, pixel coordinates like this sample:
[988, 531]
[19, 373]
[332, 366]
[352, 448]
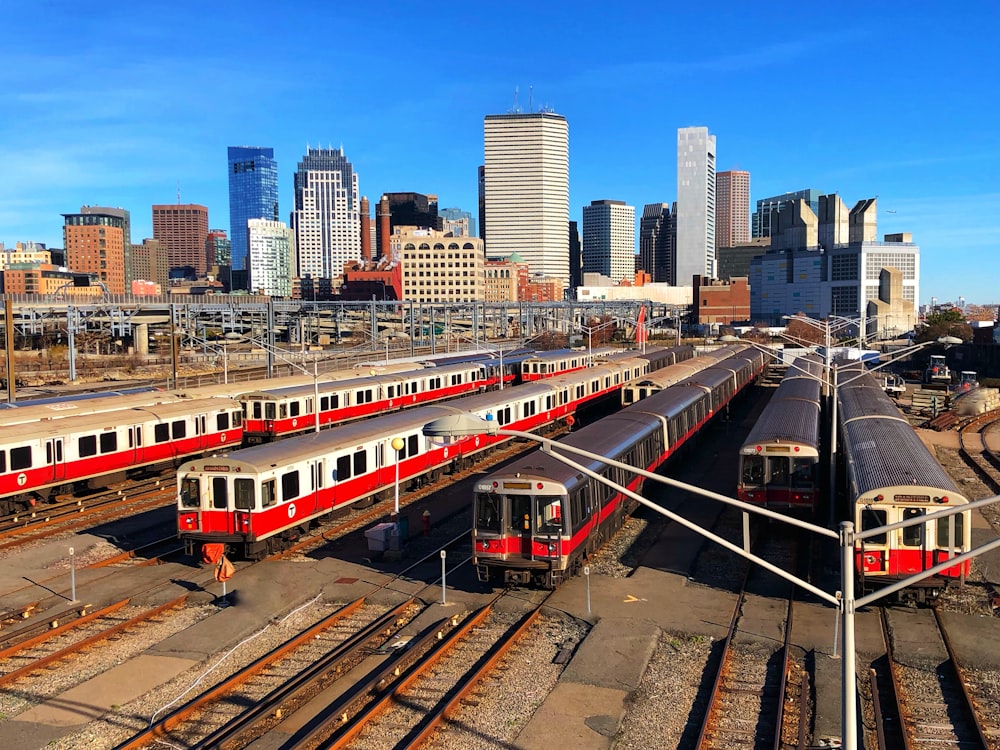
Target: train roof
[808, 367]
[604, 438]
[118, 418]
[888, 453]
[792, 421]
[274, 394]
[864, 399]
[355, 433]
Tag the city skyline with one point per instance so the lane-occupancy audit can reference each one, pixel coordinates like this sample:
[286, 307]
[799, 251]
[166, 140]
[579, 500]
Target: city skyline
[149, 108]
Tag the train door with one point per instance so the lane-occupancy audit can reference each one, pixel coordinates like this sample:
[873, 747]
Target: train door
[874, 551]
[135, 444]
[200, 423]
[220, 502]
[519, 524]
[949, 540]
[316, 474]
[55, 456]
[911, 554]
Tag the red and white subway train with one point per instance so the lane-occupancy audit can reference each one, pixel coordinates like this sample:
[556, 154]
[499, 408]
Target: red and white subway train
[891, 477]
[643, 386]
[256, 500]
[278, 412]
[779, 460]
[41, 460]
[537, 520]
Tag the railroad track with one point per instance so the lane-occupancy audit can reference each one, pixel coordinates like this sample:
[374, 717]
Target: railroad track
[748, 705]
[976, 451]
[61, 516]
[290, 676]
[924, 693]
[59, 643]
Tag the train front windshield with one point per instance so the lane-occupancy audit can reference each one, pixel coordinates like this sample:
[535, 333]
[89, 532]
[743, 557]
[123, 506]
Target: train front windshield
[525, 514]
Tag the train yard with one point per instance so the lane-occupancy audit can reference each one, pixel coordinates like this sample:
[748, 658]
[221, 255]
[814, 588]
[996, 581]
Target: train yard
[393, 667]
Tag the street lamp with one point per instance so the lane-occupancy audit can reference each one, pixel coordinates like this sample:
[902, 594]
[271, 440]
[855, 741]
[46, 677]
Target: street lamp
[465, 424]
[397, 445]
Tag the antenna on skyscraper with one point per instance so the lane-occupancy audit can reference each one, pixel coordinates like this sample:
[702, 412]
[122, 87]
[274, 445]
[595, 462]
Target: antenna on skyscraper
[178, 192]
[531, 98]
[517, 107]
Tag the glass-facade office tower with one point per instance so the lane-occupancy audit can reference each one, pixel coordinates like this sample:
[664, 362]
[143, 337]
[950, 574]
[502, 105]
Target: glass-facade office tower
[526, 190]
[695, 204]
[763, 223]
[609, 239]
[657, 230]
[327, 218]
[253, 194]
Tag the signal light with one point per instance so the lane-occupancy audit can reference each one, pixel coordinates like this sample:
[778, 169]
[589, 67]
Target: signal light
[539, 486]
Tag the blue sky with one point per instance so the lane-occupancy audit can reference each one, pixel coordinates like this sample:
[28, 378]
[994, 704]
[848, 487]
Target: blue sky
[117, 103]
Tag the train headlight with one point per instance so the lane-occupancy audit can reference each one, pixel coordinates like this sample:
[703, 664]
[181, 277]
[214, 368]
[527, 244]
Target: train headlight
[552, 547]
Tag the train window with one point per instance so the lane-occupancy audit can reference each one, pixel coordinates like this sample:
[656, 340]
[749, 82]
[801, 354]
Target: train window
[488, 512]
[243, 497]
[256, 410]
[290, 485]
[294, 409]
[360, 463]
[161, 433]
[221, 421]
[550, 520]
[283, 410]
[343, 470]
[520, 514]
[109, 442]
[178, 429]
[270, 410]
[3, 461]
[20, 458]
[753, 470]
[872, 519]
[412, 445]
[913, 536]
[943, 533]
[548, 402]
[390, 391]
[220, 493]
[237, 418]
[803, 472]
[190, 492]
[267, 494]
[87, 446]
[456, 379]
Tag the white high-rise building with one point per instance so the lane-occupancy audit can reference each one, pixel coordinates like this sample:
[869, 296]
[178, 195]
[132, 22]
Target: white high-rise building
[271, 258]
[609, 239]
[326, 219]
[695, 204]
[526, 190]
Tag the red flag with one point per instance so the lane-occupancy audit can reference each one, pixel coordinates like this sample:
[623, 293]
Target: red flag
[224, 570]
[640, 326]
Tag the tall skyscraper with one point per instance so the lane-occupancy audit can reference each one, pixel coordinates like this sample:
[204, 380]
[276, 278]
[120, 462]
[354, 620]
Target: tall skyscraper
[272, 257]
[366, 230]
[183, 229]
[122, 214]
[526, 190]
[609, 239]
[764, 223]
[95, 244]
[732, 222]
[481, 181]
[657, 231]
[326, 219]
[695, 204]
[253, 194]
[575, 256]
